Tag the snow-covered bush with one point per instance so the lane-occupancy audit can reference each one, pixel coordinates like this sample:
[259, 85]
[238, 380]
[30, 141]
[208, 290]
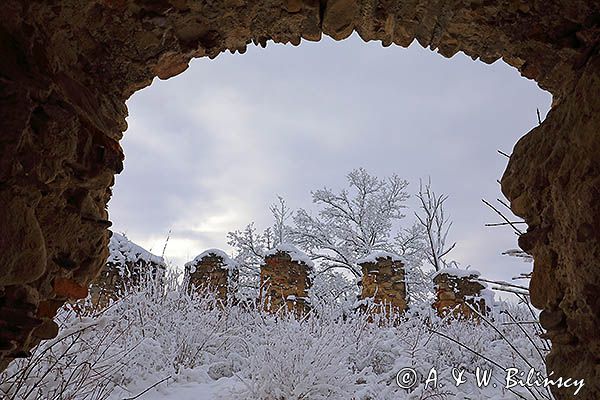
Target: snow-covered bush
[236, 351]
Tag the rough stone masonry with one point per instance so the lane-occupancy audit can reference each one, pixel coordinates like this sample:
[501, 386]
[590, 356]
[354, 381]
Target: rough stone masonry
[213, 271]
[128, 265]
[66, 69]
[285, 278]
[460, 294]
[384, 281]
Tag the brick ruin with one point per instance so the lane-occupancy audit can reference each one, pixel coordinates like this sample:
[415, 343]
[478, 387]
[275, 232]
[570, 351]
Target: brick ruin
[214, 271]
[127, 265]
[383, 280]
[458, 292]
[67, 68]
[285, 278]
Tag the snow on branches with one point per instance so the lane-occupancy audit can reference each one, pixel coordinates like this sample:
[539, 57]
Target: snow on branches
[350, 224]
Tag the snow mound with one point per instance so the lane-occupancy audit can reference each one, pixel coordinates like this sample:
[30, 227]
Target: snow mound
[123, 250]
[228, 262]
[294, 253]
[374, 255]
[458, 272]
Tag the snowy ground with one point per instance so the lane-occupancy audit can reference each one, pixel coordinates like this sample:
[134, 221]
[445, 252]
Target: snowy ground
[208, 351]
[204, 388]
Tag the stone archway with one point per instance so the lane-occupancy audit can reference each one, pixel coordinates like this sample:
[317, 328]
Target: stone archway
[67, 68]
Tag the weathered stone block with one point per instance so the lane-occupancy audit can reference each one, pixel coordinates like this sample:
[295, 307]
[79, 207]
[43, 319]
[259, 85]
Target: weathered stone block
[127, 265]
[285, 278]
[383, 280]
[214, 271]
[459, 293]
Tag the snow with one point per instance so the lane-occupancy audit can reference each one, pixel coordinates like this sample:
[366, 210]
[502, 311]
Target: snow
[488, 296]
[188, 385]
[486, 293]
[292, 297]
[518, 253]
[184, 347]
[458, 272]
[373, 256]
[190, 391]
[228, 262]
[295, 254]
[513, 252]
[123, 250]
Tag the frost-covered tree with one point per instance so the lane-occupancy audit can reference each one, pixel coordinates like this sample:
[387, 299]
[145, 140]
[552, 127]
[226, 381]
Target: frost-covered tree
[410, 243]
[435, 224]
[333, 290]
[350, 224]
[281, 215]
[250, 246]
[353, 222]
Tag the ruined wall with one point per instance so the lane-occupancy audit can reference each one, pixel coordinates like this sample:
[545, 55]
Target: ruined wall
[553, 181]
[212, 270]
[383, 280]
[128, 265]
[285, 278]
[67, 68]
[459, 293]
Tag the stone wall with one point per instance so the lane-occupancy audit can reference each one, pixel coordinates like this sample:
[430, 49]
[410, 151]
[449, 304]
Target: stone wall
[285, 278]
[127, 265]
[457, 291]
[67, 68]
[214, 271]
[553, 182]
[383, 280]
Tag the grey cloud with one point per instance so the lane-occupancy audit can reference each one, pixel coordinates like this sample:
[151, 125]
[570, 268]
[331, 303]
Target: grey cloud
[207, 151]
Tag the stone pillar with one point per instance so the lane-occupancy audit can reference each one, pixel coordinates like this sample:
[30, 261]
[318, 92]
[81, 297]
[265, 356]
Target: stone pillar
[213, 271]
[383, 280]
[127, 265]
[285, 278]
[457, 289]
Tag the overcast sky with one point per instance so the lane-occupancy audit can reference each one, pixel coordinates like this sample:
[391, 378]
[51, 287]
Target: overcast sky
[209, 150]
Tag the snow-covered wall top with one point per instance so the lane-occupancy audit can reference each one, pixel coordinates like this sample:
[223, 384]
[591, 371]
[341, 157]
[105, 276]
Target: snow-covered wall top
[458, 272]
[228, 262]
[294, 253]
[123, 250]
[374, 255]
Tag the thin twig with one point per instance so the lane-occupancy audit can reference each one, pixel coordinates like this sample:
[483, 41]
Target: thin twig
[477, 354]
[517, 230]
[512, 346]
[503, 153]
[505, 223]
[526, 334]
[149, 388]
[504, 204]
[502, 283]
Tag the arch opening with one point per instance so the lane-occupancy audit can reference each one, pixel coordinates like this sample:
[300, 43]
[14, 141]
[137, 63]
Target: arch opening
[207, 157]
